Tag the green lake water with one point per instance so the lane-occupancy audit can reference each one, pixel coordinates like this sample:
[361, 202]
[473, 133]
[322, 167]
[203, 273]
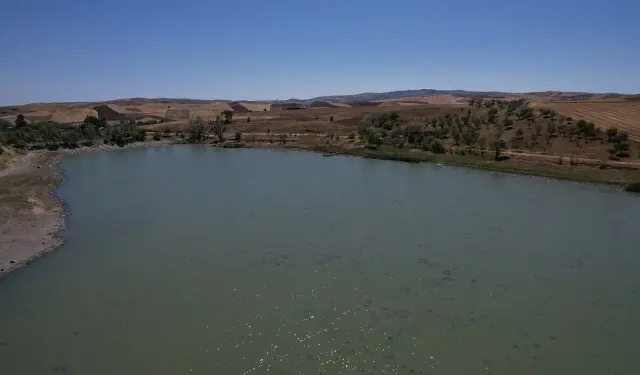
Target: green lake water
[193, 260]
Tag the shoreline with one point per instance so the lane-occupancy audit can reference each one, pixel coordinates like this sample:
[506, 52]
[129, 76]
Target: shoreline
[34, 215]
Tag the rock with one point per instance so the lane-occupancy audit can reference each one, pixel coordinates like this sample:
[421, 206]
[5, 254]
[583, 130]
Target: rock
[12, 262]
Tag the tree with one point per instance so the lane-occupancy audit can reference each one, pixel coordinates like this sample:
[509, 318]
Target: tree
[238, 136]
[166, 131]
[538, 129]
[249, 119]
[621, 148]
[612, 133]
[196, 130]
[414, 133]
[437, 147]
[621, 137]
[599, 134]
[5, 125]
[519, 133]
[226, 116]
[493, 115]
[283, 138]
[20, 121]
[156, 136]
[507, 122]
[534, 140]
[469, 137]
[551, 131]
[562, 128]
[498, 145]
[368, 121]
[455, 134]
[331, 119]
[516, 142]
[100, 123]
[219, 127]
[374, 136]
[482, 145]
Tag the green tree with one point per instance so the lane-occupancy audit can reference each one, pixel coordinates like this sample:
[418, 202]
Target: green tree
[455, 134]
[368, 121]
[95, 121]
[437, 147]
[5, 125]
[551, 130]
[219, 127]
[498, 145]
[196, 130]
[538, 129]
[238, 136]
[493, 115]
[156, 136]
[621, 148]
[482, 145]
[519, 133]
[562, 128]
[534, 140]
[374, 136]
[612, 133]
[515, 143]
[470, 137]
[414, 133]
[621, 137]
[20, 121]
[226, 116]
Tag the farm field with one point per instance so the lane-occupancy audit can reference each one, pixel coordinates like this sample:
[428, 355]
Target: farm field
[624, 115]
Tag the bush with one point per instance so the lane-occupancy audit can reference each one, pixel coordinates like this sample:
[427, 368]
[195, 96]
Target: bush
[634, 187]
[238, 136]
[331, 119]
[156, 136]
[249, 119]
[352, 136]
[437, 147]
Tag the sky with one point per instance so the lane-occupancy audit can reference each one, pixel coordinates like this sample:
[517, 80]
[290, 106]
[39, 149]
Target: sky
[70, 50]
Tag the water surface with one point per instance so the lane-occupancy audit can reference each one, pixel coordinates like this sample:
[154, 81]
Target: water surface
[188, 260]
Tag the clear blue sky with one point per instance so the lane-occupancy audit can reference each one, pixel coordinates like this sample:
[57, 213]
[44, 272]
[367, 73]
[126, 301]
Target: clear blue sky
[70, 50]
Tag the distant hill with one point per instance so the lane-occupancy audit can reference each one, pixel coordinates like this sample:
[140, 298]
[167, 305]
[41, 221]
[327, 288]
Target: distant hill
[373, 96]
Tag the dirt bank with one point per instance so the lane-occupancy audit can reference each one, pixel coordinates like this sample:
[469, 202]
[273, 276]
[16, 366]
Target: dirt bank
[30, 215]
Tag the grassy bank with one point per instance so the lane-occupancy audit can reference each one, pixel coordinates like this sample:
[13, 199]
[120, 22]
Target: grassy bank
[540, 168]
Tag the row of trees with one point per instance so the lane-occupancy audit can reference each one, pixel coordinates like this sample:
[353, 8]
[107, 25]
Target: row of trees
[197, 130]
[52, 135]
[465, 130]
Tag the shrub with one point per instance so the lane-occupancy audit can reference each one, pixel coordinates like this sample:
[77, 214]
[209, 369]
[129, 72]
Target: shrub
[437, 147]
[249, 119]
[238, 136]
[331, 119]
[156, 136]
[352, 136]
[634, 187]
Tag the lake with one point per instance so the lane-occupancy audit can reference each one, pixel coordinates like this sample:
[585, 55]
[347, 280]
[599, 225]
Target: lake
[200, 260]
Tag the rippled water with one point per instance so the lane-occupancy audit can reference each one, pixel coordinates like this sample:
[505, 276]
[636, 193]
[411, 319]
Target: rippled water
[197, 260]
